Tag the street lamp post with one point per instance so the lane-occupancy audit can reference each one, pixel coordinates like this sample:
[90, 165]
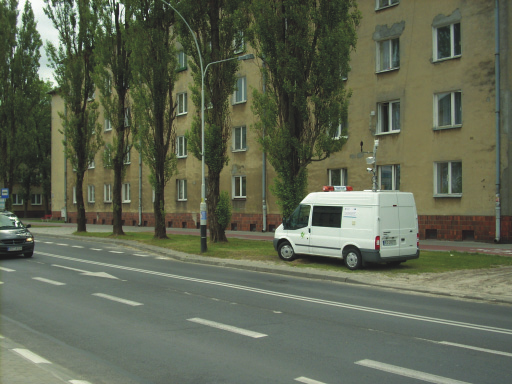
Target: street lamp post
[202, 206]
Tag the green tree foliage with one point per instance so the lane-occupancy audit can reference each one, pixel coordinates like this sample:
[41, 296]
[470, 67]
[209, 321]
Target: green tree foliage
[306, 47]
[223, 210]
[219, 27]
[154, 65]
[19, 62]
[73, 63]
[113, 77]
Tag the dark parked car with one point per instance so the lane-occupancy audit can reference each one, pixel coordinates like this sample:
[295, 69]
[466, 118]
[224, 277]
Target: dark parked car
[15, 238]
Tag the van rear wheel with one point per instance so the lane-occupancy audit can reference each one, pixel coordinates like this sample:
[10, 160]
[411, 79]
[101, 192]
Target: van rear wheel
[353, 259]
[286, 252]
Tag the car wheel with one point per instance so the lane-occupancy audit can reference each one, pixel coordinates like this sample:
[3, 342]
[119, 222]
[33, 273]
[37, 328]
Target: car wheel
[286, 252]
[353, 259]
[28, 254]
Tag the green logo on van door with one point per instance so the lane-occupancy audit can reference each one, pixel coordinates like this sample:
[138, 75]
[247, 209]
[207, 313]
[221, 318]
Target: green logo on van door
[302, 234]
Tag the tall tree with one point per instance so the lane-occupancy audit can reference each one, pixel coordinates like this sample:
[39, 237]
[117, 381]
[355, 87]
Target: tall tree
[19, 55]
[73, 62]
[113, 72]
[306, 46]
[154, 74]
[219, 27]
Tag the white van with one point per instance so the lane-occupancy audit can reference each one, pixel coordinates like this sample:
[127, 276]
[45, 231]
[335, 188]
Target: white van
[360, 227]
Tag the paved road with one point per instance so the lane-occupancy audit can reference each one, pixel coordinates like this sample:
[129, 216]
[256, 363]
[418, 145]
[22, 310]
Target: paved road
[18, 367]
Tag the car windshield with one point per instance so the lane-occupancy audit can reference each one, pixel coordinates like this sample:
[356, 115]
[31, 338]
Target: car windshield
[7, 222]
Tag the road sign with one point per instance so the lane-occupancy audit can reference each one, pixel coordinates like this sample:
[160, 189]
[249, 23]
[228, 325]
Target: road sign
[5, 193]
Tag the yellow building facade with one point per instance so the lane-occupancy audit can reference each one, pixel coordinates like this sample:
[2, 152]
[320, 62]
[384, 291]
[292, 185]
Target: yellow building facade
[426, 88]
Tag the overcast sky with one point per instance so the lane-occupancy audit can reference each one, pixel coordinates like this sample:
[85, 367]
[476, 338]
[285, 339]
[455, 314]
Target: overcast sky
[47, 32]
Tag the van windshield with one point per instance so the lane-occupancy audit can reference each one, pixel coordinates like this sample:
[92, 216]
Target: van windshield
[299, 218]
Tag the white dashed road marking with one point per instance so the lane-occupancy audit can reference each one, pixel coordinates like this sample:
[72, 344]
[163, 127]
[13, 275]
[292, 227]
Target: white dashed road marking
[118, 299]
[240, 331]
[53, 282]
[31, 356]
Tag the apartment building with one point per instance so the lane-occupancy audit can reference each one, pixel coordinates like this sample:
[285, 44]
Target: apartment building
[426, 88]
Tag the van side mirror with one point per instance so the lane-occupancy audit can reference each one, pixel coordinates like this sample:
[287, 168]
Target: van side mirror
[286, 223]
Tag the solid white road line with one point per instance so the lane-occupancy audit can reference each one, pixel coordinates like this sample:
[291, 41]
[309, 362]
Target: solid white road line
[240, 331]
[31, 356]
[408, 372]
[7, 269]
[118, 299]
[305, 380]
[404, 315]
[53, 282]
[476, 348]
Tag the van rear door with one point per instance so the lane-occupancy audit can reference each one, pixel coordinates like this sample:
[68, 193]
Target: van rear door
[389, 225]
[408, 224]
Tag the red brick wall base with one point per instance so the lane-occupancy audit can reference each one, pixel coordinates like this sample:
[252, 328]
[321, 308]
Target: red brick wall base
[469, 228]
[477, 228]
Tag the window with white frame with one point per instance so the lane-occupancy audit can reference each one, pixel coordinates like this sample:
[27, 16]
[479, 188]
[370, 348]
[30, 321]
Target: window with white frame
[448, 178]
[74, 194]
[181, 146]
[181, 190]
[108, 124]
[238, 42]
[240, 95]
[448, 109]
[127, 159]
[239, 187]
[36, 199]
[107, 193]
[125, 193]
[182, 103]
[90, 194]
[379, 4]
[182, 61]
[127, 117]
[92, 165]
[107, 156]
[239, 138]
[447, 43]
[341, 131]
[388, 55]
[17, 199]
[389, 177]
[388, 117]
[337, 177]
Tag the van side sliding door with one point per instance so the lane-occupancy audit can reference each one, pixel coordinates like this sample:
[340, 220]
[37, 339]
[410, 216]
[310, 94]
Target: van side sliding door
[325, 231]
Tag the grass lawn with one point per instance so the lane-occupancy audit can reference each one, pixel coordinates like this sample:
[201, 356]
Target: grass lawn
[241, 249]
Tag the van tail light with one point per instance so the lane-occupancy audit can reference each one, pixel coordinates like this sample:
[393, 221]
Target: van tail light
[418, 240]
[377, 243]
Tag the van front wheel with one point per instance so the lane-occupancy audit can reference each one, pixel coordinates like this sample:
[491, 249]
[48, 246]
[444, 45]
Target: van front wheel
[353, 259]
[286, 252]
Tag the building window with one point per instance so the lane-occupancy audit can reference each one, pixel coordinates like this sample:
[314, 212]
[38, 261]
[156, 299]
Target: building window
[181, 193]
[239, 187]
[125, 193]
[448, 179]
[92, 165]
[107, 193]
[341, 131]
[17, 199]
[36, 199]
[240, 95]
[182, 103]
[388, 117]
[181, 146]
[239, 139]
[337, 177]
[107, 156]
[379, 4]
[448, 110]
[74, 194]
[108, 124]
[182, 61]
[239, 43]
[447, 42]
[90, 193]
[388, 55]
[127, 117]
[127, 159]
[389, 177]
